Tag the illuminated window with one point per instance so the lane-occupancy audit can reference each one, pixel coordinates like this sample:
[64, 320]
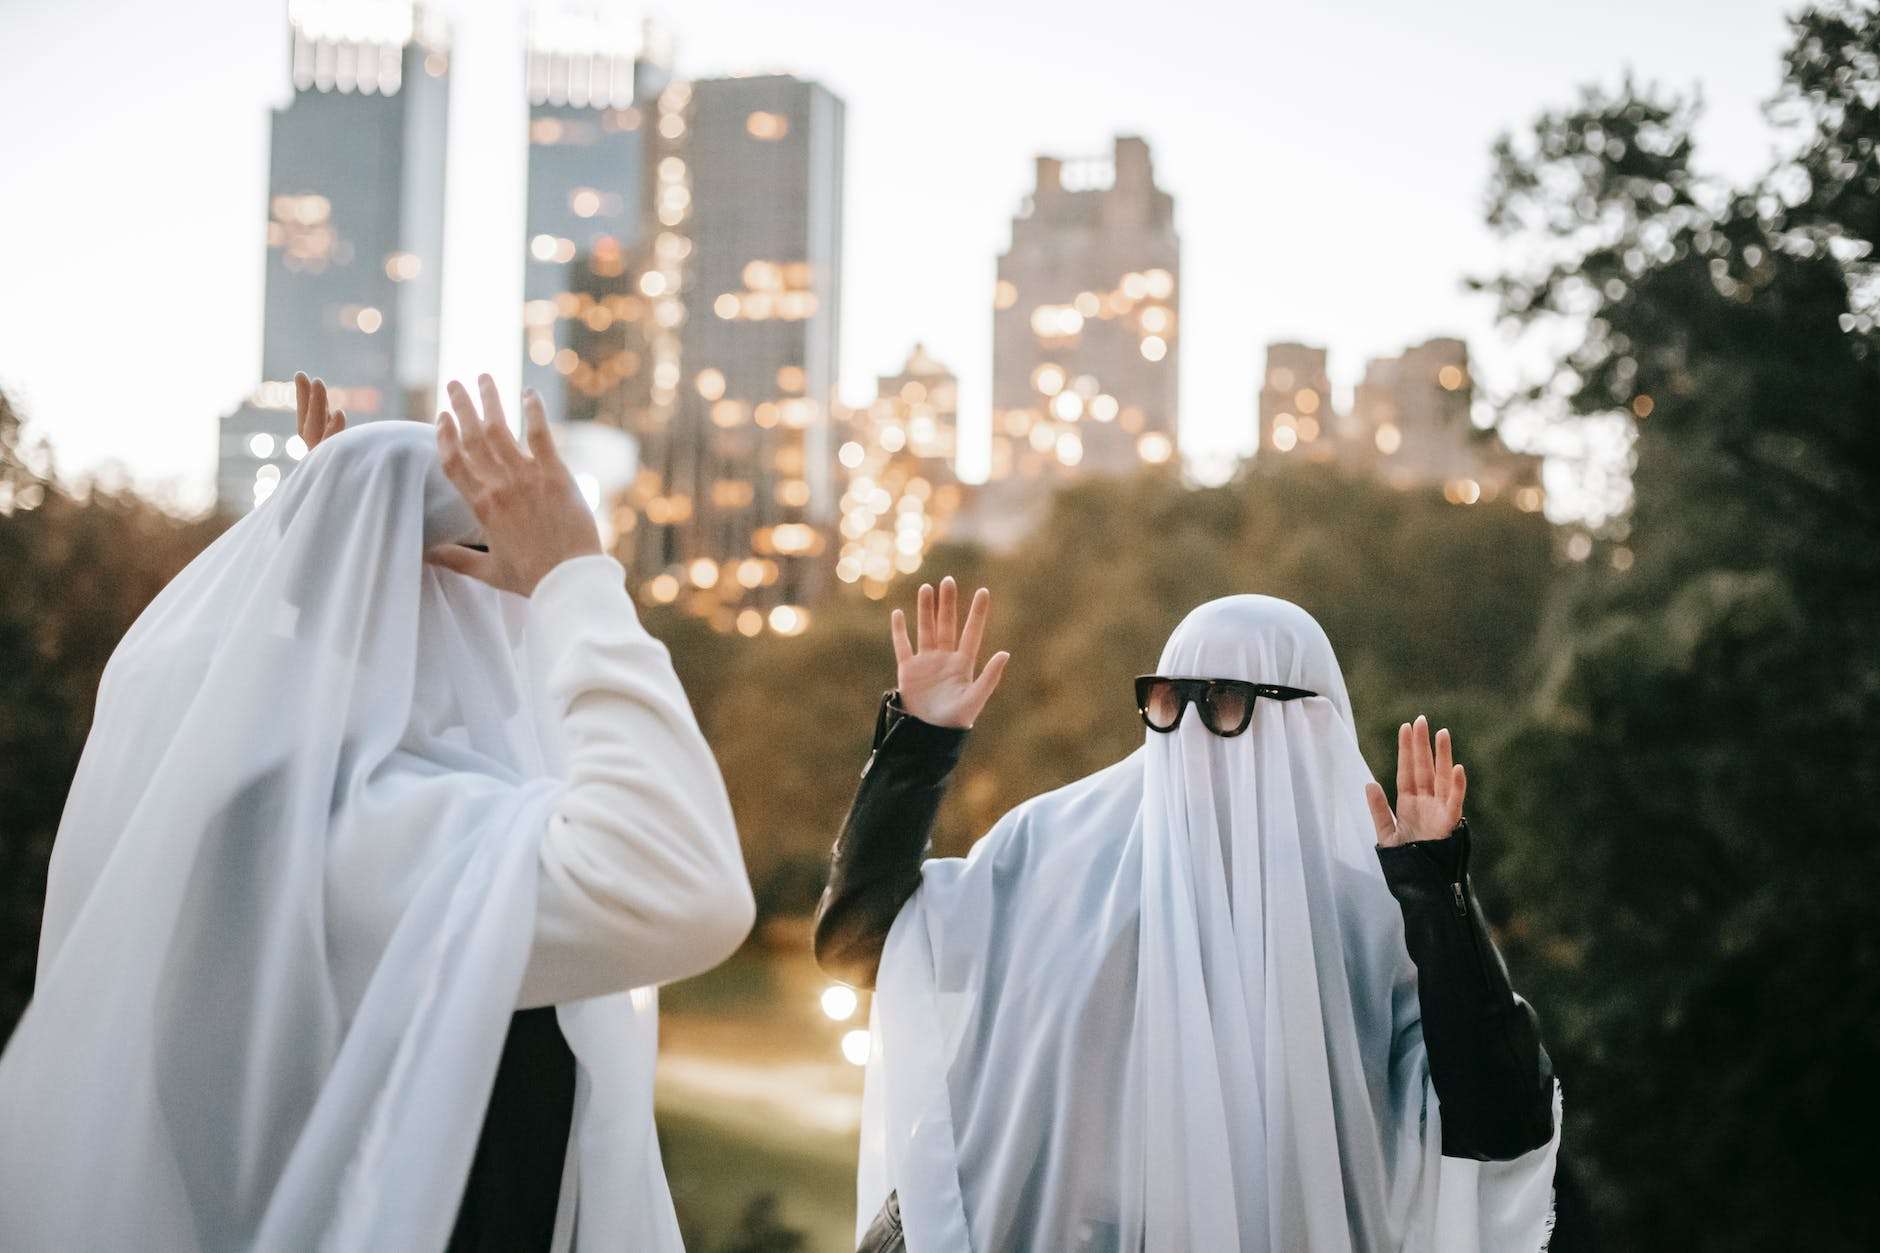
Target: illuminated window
[1154, 348]
[711, 383]
[1389, 439]
[1004, 295]
[767, 125]
[1449, 377]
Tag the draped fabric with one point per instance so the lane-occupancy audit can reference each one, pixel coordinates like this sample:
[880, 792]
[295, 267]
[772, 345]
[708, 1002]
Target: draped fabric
[292, 898]
[1169, 1006]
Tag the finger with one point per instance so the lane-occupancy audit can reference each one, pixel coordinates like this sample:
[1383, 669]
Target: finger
[316, 412]
[947, 618]
[1381, 817]
[469, 425]
[1443, 762]
[923, 618]
[1424, 768]
[973, 634]
[987, 682]
[467, 561]
[897, 631]
[303, 387]
[503, 444]
[1458, 788]
[1406, 777]
[535, 431]
[334, 424]
[456, 466]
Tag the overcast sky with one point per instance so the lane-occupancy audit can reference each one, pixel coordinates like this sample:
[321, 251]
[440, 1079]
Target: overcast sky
[1327, 162]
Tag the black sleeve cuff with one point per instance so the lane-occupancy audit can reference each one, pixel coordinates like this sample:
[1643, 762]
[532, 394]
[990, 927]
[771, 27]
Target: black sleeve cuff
[912, 743]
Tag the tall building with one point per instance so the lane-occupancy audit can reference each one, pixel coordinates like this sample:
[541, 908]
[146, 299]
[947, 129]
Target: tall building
[901, 491]
[1086, 346]
[355, 232]
[738, 497]
[1409, 424]
[593, 82]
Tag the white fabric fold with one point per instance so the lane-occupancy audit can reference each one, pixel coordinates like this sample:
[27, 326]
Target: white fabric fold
[1169, 1006]
[294, 896]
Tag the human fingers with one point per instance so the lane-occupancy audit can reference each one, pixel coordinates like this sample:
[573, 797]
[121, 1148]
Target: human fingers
[987, 682]
[946, 616]
[316, 413]
[923, 618]
[1381, 817]
[535, 430]
[897, 632]
[334, 425]
[1458, 788]
[303, 389]
[502, 441]
[1406, 765]
[457, 467]
[469, 425]
[1444, 760]
[1423, 766]
[467, 561]
[973, 634]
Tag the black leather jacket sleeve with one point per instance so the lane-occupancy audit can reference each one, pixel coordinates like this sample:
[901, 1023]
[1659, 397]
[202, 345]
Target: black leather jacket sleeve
[1493, 1078]
[875, 864]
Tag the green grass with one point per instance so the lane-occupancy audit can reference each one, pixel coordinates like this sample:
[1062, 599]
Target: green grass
[718, 1165]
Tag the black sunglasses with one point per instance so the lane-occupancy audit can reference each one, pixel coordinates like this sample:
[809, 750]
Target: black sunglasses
[1226, 705]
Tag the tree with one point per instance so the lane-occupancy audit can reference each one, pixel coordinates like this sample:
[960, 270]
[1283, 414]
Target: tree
[76, 568]
[1694, 778]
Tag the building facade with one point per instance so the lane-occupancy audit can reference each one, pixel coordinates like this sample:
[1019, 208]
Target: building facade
[593, 90]
[355, 236]
[1086, 342]
[736, 503]
[1409, 424]
[900, 490]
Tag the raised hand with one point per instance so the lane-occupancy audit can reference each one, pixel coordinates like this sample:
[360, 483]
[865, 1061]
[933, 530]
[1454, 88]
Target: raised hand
[935, 675]
[1430, 788]
[532, 512]
[311, 418]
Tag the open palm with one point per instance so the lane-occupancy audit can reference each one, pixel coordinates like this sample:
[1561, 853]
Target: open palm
[1430, 788]
[935, 674]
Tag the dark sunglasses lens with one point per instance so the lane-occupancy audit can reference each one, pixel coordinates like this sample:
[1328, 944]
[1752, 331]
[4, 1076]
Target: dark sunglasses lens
[1227, 708]
[1161, 705]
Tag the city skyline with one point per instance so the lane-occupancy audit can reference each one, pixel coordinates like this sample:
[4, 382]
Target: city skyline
[1275, 273]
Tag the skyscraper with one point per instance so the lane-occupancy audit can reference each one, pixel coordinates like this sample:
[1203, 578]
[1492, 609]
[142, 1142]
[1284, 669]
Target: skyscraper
[901, 490]
[1409, 424]
[355, 232]
[593, 80]
[1085, 342]
[738, 495]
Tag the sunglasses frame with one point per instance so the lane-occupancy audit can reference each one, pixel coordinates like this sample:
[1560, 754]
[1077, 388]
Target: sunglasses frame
[1195, 692]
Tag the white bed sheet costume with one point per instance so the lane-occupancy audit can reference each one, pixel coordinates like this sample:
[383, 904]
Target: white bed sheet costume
[341, 814]
[1169, 1007]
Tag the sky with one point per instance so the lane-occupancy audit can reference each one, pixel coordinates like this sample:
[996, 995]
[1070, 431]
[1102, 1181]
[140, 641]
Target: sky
[1328, 162]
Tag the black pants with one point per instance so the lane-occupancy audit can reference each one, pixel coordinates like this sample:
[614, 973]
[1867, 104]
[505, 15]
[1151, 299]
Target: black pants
[510, 1198]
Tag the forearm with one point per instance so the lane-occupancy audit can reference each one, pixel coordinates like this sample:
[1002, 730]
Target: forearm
[641, 878]
[875, 864]
[1493, 1078]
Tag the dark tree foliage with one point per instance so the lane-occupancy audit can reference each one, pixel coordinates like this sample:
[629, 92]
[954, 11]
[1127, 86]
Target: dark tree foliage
[75, 571]
[1431, 606]
[1694, 782]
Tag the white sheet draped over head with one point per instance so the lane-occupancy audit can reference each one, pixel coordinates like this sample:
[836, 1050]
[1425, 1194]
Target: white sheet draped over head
[292, 898]
[1169, 1006]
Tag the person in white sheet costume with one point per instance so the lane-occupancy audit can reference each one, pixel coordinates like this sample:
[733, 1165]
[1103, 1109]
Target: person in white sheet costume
[1174, 1005]
[347, 818]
